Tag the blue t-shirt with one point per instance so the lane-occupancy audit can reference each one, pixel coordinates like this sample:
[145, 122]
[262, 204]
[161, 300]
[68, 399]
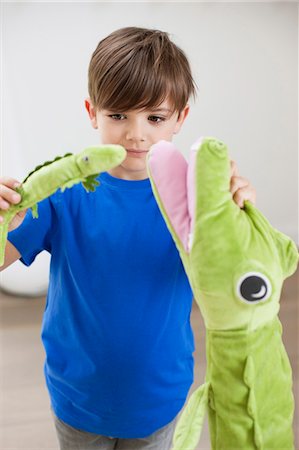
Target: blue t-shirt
[116, 327]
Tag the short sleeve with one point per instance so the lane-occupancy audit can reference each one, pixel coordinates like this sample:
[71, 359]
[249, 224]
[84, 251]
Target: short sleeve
[36, 234]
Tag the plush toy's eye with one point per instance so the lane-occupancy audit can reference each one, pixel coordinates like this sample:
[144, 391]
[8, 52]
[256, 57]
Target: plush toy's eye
[254, 287]
[85, 158]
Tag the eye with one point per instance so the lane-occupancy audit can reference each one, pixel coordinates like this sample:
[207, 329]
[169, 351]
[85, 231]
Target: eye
[117, 116]
[156, 119]
[85, 158]
[254, 287]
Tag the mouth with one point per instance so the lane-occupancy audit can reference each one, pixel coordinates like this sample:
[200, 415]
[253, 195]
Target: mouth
[136, 153]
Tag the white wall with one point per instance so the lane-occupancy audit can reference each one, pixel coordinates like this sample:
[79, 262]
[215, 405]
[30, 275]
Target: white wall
[245, 61]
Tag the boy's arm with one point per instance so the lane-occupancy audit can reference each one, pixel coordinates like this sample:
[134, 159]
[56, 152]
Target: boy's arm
[8, 197]
[11, 255]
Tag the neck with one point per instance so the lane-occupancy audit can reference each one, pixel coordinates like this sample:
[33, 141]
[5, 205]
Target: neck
[119, 172]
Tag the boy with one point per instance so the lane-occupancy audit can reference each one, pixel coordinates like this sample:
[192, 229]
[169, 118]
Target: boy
[116, 327]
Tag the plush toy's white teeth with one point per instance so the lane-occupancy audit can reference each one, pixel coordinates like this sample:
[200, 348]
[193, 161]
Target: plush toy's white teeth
[190, 241]
[197, 143]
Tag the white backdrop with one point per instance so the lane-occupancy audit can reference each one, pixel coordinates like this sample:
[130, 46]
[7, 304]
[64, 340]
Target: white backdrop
[244, 58]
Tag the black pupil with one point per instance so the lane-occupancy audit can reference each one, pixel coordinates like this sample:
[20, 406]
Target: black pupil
[253, 289]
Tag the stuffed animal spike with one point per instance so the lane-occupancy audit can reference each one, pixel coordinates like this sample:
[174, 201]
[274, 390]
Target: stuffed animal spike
[236, 263]
[63, 172]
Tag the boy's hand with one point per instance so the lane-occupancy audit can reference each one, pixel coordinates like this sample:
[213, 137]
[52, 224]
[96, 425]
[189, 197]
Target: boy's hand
[240, 187]
[9, 196]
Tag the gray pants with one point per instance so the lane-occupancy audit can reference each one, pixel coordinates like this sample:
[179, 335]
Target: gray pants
[73, 439]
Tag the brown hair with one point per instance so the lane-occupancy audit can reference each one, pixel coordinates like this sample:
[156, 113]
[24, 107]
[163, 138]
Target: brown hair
[136, 68]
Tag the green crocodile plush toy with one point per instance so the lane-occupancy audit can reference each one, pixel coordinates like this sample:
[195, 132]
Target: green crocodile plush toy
[63, 172]
[236, 263]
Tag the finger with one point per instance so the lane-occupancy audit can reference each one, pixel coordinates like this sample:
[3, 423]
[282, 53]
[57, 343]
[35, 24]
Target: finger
[234, 171]
[247, 193]
[8, 196]
[9, 182]
[237, 183]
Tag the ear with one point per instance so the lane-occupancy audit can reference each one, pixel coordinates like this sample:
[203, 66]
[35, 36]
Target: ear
[91, 112]
[182, 116]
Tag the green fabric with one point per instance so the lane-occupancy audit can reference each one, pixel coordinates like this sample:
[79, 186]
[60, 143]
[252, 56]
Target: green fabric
[188, 433]
[63, 172]
[250, 400]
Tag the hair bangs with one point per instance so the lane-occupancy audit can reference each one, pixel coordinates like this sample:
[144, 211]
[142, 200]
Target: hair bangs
[136, 68]
[139, 91]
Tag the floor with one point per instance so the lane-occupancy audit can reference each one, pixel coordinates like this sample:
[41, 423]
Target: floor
[25, 420]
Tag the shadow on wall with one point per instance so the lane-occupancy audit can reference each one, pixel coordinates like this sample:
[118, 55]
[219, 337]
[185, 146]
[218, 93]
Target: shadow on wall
[32, 281]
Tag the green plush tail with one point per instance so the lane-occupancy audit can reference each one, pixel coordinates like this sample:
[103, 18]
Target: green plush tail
[3, 238]
[189, 427]
[251, 402]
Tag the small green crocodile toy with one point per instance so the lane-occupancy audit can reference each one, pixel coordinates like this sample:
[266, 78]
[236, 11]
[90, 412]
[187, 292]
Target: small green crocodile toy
[63, 172]
[236, 263]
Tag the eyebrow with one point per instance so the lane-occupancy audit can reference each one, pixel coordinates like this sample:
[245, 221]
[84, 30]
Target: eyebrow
[161, 110]
[153, 110]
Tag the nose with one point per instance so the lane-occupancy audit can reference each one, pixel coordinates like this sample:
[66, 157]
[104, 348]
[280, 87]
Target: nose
[135, 132]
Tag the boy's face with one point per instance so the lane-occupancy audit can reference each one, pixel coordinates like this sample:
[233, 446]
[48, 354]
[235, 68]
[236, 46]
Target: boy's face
[137, 131]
